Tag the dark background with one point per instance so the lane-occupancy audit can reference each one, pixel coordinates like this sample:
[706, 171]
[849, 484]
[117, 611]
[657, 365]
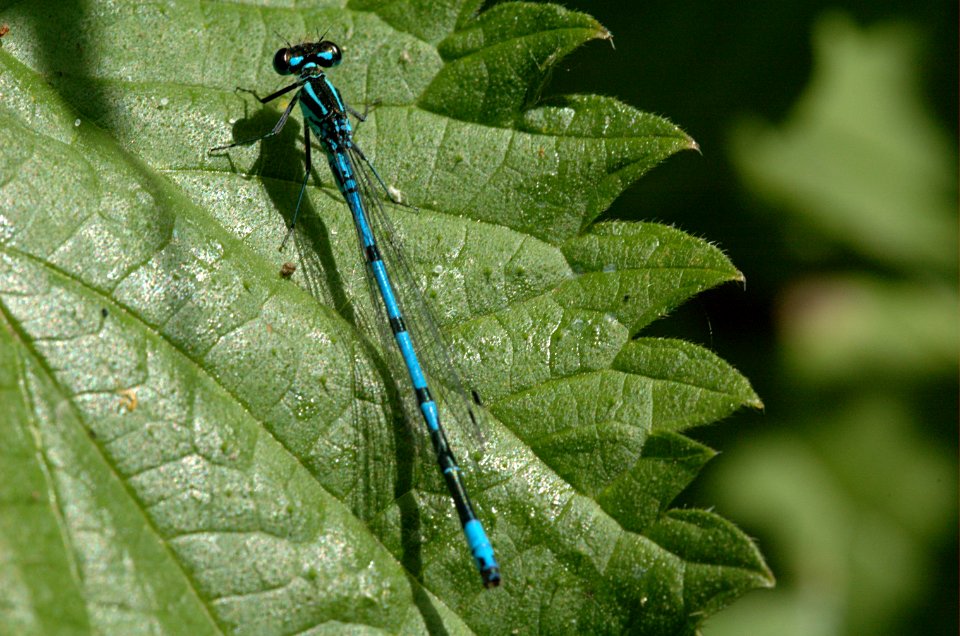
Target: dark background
[707, 67]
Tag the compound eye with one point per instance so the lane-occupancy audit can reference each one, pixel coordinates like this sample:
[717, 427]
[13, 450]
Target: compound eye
[329, 54]
[281, 62]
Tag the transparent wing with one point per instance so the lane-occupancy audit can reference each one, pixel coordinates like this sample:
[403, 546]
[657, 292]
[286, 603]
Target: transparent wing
[443, 375]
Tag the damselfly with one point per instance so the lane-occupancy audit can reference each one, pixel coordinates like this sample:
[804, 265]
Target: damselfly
[326, 115]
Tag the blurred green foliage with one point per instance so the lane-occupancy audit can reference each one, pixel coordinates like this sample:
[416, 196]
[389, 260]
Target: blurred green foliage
[843, 217]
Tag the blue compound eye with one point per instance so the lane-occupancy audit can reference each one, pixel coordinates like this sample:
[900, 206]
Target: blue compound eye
[281, 62]
[328, 54]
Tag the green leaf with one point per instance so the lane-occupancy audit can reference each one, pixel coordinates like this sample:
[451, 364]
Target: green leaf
[199, 445]
[496, 65]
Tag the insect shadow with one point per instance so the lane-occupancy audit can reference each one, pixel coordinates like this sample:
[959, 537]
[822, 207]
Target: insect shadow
[280, 164]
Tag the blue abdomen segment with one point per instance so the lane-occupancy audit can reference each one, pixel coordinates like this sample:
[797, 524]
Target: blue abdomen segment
[482, 551]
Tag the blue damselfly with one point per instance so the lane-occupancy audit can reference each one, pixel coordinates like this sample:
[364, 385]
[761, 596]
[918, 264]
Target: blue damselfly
[327, 116]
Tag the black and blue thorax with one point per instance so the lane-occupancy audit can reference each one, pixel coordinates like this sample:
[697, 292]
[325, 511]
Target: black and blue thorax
[320, 102]
[325, 113]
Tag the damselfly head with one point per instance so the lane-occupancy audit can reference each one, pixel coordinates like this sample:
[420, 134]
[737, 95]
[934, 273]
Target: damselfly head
[296, 58]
